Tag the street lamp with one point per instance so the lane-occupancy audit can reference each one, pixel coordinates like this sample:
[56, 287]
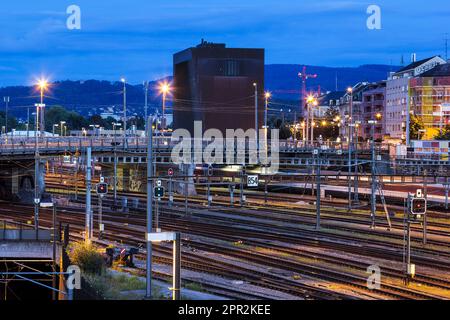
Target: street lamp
[255, 85]
[124, 81]
[267, 96]
[62, 123]
[53, 128]
[164, 89]
[350, 138]
[114, 124]
[40, 122]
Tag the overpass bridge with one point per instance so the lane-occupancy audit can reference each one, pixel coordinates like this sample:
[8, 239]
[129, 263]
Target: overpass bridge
[18, 156]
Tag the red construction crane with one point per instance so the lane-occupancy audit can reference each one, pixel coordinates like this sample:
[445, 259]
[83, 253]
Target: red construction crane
[304, 76]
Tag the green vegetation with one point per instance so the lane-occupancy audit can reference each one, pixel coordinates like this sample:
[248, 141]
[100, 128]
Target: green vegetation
[88, 258]
[415, 126]
[445, 134]
[195, 286]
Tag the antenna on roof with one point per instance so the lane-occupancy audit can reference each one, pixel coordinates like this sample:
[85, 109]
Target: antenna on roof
[336, 82]
[446, 47]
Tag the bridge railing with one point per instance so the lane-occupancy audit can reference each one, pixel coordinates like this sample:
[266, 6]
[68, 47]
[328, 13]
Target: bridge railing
[16, 145]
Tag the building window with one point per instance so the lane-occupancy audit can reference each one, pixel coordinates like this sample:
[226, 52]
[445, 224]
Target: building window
[231, 68]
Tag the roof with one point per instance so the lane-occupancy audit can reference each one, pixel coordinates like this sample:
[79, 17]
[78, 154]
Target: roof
[334, 95]
[415, 64]
[441, 70]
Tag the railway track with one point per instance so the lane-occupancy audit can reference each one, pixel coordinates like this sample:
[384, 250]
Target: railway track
[218, 232]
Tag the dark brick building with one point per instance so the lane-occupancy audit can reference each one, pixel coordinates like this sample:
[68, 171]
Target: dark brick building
[214, 84]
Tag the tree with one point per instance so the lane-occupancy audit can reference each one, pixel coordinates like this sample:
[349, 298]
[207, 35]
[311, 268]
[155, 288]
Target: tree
[445, 134]
[277, 123]
[415, 126]
[56, 114]
[12, 121]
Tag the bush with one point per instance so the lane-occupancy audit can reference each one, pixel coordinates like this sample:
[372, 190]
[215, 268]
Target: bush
[87, 258]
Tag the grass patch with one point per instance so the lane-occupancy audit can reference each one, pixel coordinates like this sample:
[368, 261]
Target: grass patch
[195, 286]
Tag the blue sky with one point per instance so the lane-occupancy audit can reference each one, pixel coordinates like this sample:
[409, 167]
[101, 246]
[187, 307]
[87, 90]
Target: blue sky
[136, 38]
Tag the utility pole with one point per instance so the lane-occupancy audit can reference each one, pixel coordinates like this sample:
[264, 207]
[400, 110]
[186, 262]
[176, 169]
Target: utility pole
[146, 104]
[101, 228]
[447, 186]
[208, 193]
[241, 187]
[355, 179]
[37, 196]
[304, 76]
[148, 293]
[318, 190]
[6, 100]
[373, 203]
[350, 140]
[425, 192]
[177, 266]
[408, 239]
[88, 227]
[256, 118]
[28, 122]
[124, 107]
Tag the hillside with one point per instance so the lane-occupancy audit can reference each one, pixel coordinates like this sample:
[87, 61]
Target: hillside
[96, 96]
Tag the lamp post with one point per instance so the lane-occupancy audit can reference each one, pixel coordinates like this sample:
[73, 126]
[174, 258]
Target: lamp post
[53, 129]
[62, 123]
[374, 197]
[42, 84]
[255, 85]
[310, 100]
[114, 124]
[267, 96]
[164, 89]
[145, 104]
[6, 100]
[350, 138]
[124, 105]
[314, 104]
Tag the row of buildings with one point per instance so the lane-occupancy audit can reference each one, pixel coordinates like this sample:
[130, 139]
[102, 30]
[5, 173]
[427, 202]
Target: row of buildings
[421, 90]
[221, 86]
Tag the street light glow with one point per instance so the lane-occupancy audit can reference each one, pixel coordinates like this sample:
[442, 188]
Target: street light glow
[164, 88]
[42, 84]
[268, 95]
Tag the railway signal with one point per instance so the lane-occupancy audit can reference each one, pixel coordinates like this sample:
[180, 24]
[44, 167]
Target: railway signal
[102, 188]
[158, 192]
[418, 206]
[170, 172]
[210, 171]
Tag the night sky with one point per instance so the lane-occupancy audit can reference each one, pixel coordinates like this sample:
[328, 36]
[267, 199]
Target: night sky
[136, 38]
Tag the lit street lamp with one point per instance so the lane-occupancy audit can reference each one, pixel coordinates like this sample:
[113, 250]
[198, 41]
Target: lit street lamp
[42, 85]
[164, 89]
[53, 129]
[62, 123]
